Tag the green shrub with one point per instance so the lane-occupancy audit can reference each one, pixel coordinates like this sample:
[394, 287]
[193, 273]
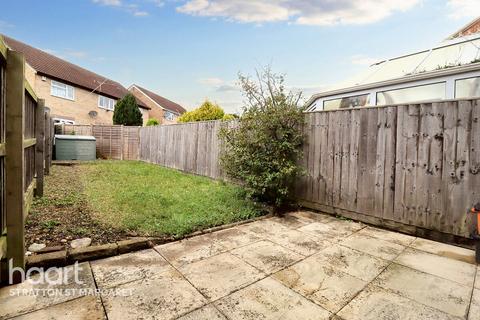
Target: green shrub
[207, 111]
[228, 117]
[152, 122]
[262, 150]
[127, 112]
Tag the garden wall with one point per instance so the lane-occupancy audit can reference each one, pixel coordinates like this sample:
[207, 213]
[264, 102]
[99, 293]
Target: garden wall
[411, 167]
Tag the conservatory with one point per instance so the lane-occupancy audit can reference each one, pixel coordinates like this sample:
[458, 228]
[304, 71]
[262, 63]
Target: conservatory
[450, 70]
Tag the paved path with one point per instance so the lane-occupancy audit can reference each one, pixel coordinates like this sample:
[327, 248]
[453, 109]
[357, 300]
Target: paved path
[303, 266]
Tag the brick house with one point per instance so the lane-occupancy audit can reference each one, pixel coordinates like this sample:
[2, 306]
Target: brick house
[73, 94]
[162, 109]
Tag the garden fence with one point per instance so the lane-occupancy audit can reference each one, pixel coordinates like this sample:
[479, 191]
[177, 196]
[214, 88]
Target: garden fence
[113, 141]
[414, 167]
[24, 135]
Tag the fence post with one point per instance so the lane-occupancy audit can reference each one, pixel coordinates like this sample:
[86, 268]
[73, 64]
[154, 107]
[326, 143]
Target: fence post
[14, 162]
[40, 146]
[121, 142]
[48, 142]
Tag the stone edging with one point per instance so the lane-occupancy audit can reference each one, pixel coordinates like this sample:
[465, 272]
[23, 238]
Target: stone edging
[65, 257]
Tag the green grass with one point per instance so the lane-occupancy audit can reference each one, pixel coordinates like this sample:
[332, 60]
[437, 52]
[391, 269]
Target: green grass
[159, 201]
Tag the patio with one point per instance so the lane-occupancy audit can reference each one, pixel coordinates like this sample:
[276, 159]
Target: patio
[302, 266]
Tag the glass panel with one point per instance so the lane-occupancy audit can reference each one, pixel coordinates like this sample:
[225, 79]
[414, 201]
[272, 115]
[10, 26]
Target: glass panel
[451, 56]
[434, 91]
[467, 88]
[346, 102]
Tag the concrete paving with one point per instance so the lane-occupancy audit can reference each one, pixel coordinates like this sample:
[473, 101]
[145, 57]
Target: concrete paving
[301, 266]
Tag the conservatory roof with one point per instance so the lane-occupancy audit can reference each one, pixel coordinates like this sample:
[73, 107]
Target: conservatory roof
[451, 56]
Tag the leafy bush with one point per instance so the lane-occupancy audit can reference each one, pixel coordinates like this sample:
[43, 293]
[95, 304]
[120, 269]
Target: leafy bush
[263, 148]
[207, 111]
[228, 117]
[127, 112]
[152, 122]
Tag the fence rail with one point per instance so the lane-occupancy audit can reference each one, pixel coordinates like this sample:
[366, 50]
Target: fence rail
[22, 155]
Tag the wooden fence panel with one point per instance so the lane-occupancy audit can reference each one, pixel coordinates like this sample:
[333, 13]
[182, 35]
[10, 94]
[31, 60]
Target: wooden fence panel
[113, 142]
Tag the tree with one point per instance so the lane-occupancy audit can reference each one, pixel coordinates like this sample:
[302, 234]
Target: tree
[207, 111]
[262, 150]
[127, 112]
[152, 122]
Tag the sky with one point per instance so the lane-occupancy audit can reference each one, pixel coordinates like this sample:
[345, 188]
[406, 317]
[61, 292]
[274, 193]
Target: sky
[192, 50]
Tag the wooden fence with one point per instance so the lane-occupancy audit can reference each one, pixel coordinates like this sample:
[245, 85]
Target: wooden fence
[23, 160]
[191, 147]
[411, 167]
[113, 142]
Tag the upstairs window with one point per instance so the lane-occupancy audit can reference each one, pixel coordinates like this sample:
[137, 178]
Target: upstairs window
[170, 116]
[106, 103]
[62, 90]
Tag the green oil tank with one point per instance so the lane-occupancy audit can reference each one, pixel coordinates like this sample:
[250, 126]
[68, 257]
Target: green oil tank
[70, 147]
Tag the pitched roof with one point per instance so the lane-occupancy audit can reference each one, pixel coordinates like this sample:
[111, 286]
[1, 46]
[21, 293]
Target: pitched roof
[52, 66]
[471, 28]
[161, 101]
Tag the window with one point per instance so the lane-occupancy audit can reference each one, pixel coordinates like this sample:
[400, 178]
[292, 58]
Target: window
[347, 102]
[62, 90]
[435, 91]
[467, 88]
[170, 116]
[106, 103]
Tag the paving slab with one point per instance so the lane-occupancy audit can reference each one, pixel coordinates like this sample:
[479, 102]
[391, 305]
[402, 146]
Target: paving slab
[88, 307]
[450, 269]
[355, 263]
[234, 237]
[166, 296]
[328, 287]
[312, 216]
[124, 268]
[395, 237]
[373, 246]
[220, 275]
[267, 256]
[474, 312]
[300, 242]
[268, 299]
[444, 250]
[264, 228]
[332, 230]
[375, 303]
[31, 296]
[190, 250]
[444, 295]
[208, 312]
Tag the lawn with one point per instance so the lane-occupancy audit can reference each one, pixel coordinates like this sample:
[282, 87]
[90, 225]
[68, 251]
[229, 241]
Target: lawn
[155, 200]
[110, 200]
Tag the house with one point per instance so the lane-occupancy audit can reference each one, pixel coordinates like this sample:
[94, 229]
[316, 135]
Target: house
[450, 70]
[162, 109]
[73, 94]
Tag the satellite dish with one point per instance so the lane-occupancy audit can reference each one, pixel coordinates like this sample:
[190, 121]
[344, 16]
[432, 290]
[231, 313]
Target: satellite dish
[92, 114]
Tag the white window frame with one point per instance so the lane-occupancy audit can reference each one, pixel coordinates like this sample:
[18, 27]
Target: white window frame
[62, 86]
[317, 105]
[107, 99]
[171, 114]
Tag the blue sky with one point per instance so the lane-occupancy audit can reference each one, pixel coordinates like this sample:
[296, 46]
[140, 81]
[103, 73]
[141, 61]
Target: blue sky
[189, 50]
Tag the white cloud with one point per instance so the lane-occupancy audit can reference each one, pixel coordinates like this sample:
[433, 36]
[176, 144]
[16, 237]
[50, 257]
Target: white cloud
[463, 8]
[363, 60]
[131, 8]
[307, 12]
[112, 3]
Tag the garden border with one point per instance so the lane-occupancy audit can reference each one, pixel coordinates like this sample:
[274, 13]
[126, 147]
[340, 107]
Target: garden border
[66, 257]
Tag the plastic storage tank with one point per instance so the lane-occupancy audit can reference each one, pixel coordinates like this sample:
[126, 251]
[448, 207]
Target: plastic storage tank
[70, 147]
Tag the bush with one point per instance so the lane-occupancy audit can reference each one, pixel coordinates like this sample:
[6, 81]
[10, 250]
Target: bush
[152, 122]
[263, 149]
[207, 111]
[127, 112]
